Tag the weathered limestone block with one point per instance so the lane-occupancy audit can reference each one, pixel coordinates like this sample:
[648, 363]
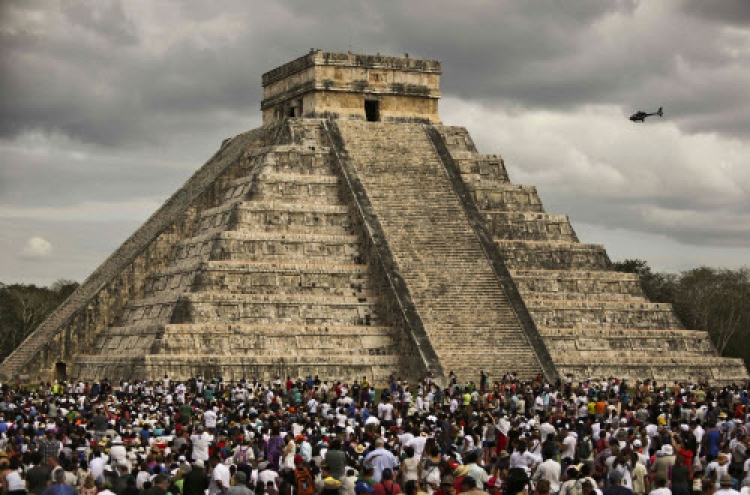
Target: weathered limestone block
[493, 196]
[575, 284]
[298, 160]
[306, 189]
[282, 278]
[456, 138]
[266, 308]
[662, 368]
[529, 226]
[281, 217]
[476, 167]
[603, 314]
[276, 246]
[549, 255]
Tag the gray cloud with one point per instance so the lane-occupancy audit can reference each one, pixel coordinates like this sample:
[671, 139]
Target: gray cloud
[108, 106]
[100, 73]
[736, 12]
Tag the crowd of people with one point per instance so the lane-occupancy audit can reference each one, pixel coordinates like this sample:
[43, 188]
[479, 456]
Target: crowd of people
[305, 436]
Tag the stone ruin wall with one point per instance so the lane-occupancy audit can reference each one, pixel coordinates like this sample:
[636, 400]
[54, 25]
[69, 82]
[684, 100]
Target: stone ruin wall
[337, 85]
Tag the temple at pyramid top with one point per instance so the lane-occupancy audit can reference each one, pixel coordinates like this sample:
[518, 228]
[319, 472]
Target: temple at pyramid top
[355, 87]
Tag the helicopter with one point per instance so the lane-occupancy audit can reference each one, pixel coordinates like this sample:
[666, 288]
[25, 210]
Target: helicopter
[641, 116]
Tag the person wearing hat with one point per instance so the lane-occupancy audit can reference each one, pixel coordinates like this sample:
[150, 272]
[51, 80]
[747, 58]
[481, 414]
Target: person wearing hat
[330, 484]
[493, 485]
[725, 486]
[304, 448]
[459, 473]
[718, 468]
[663, 464]
[304, 482]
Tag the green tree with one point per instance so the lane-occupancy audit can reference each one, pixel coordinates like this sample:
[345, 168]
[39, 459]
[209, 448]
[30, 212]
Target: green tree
[23, 307]
[710, 299]
[718, 301]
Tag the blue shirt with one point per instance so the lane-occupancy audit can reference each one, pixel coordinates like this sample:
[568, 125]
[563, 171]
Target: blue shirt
[60, 489]
[713, 442]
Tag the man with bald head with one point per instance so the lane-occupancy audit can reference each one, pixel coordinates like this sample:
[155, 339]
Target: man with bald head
[381, 459]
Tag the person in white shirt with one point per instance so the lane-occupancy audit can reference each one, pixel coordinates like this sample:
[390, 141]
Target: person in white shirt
[117, 452]
[312, 406]
[661, 487]
[418, 444]
[201, 440]
[220, 476]
[569, 445]
[96, 466]
[266, 474]
[385, 411]
[549, 470]
[209, 419]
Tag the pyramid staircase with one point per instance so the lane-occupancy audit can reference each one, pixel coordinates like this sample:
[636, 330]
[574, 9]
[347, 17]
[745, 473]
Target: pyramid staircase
[455, 289]
[595, 321]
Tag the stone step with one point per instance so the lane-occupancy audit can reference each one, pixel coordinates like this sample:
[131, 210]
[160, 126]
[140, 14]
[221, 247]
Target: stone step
[650, 341]
[269, 216]
[296, 188]
[500, 196]
[234, 367]
[434, 245]
[298, 160]
[270, 330]
[242, 245]
[267, 339]
[263, 277]
[602, 314]
[664, 369]
[578, 284]
[529, 226]
[287, 278]
[457, 140]
[480, 166]
[311, 309]
[551, 255]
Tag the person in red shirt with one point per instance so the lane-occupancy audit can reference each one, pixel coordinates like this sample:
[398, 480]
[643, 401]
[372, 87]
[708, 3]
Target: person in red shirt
[386, 486]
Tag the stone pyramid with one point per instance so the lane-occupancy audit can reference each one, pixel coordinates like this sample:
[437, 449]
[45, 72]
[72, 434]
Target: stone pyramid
[353, 235]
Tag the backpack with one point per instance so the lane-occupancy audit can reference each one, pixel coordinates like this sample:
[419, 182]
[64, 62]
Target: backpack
[585, 449]
[241, 457]
[303, 482]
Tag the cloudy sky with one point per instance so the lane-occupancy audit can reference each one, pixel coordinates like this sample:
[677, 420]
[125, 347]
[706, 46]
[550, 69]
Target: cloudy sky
[107, 107]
